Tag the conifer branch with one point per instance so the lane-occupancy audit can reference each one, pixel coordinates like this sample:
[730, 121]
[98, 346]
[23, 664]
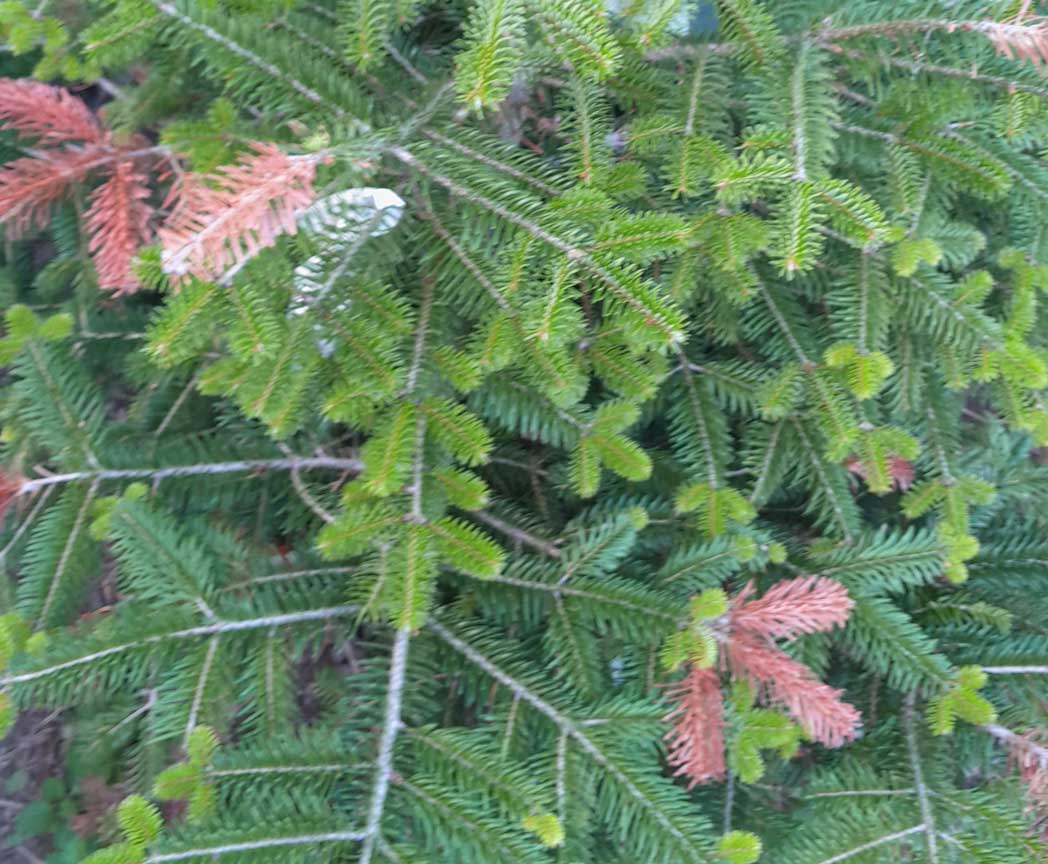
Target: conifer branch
[220, 773]
[1015, 741]
[392, 722]
[304, 493]
[198, 691]
[1015, 39]
[252, 59]
[177, 404]
[860, 793]
[820, 472]
[785, 328]
[31, 185]
[562, 589]
[762, 474]
[574, 253]
[561, 792]
[288, 576]
[696, 412]
[798, 97]
[873, 844]
[256, 845]
[298, 463]
[391, 725]
[567, 727]
[25, 524]
[927, 817]
[923, 67]
[1015, 670]
[222, 219]
[214, 628]
[516, 534]
[118, 221]
[64, 559]
[696, 741]
[50, 114]
[486, 160]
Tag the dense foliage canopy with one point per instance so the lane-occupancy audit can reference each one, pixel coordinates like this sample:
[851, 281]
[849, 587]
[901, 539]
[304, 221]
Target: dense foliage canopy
[529, 430]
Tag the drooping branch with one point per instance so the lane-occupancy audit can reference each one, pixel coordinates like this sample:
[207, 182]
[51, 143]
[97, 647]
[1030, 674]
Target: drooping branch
[31, 185]
[118, 221]
[696, 741]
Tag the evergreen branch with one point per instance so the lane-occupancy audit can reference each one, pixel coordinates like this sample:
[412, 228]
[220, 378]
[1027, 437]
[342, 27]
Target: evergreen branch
[219, 773]
[1015, 670]
[256, 845]
[24, 526]
[695, 409]
[64, 559]
[763, 470]
[569, 728]
[487, 161]
[176, 406]
[50, 114]
[1018, 37]
[873, 844]
[859, 793]
[198, 692]
[1018, 742]
[293, 463]
[511, 312]
[559, 589]
[519, 535]
[917, 67]
[223, 219]
[798, 105]
[253, 59]
[674, 52]
[67, 412]
[574, 253]
[289, 576]
[390, 727]
[927, 816]
[827, 488]
[212, 629]
[304, 493]
[561, 767]
[693, 94]
[784, 326]
[468, 263]
[392, 722]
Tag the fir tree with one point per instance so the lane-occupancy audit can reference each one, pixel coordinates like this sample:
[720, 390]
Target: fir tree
[531, 430]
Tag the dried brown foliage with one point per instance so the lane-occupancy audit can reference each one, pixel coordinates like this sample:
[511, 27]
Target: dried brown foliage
[74, 148]
[746, 633]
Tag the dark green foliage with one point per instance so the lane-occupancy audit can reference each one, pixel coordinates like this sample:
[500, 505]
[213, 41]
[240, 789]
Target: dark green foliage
[369, 547]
